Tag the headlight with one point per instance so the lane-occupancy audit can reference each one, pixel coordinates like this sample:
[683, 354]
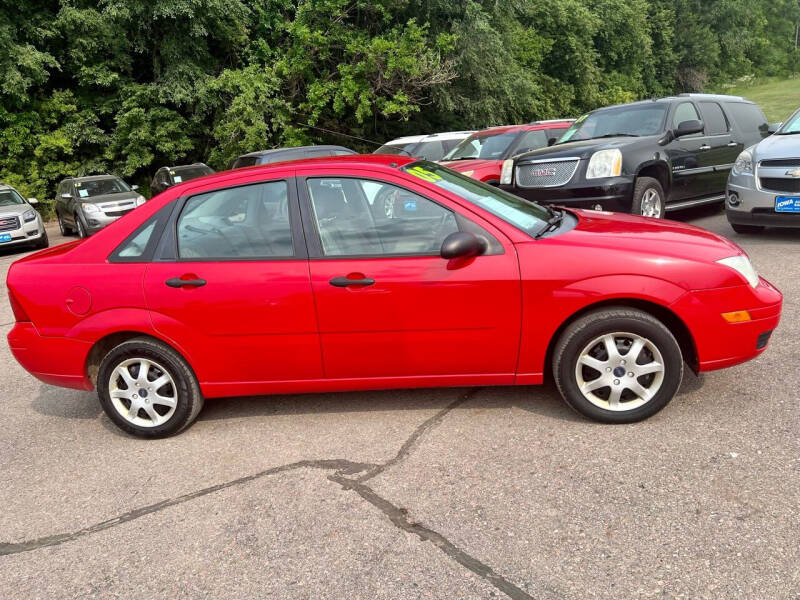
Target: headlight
[742, 265]
[140, 200]
[743, 164]
[29, 215]
[604, 163]
[507, 173]
[88, 207]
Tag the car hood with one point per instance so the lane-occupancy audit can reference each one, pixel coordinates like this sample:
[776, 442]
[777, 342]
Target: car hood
[119, 196]
[584, 148]
[14, 209]
[779, 146]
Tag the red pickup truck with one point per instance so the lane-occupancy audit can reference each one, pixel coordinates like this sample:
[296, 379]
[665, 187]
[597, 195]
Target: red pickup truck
[481, 155]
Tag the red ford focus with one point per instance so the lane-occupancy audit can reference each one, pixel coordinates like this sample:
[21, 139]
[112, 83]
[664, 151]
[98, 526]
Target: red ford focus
[291, 278]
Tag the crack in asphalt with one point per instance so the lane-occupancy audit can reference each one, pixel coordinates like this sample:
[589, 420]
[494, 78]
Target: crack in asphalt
[342, 468]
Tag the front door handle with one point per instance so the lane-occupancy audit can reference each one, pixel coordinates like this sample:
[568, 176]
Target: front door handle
[732, 144]
[347, 282]
[705, 147]
[177, 282]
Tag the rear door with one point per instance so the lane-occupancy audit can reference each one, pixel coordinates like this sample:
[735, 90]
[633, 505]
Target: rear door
[723, 148]
[230, 281]
[388, 305]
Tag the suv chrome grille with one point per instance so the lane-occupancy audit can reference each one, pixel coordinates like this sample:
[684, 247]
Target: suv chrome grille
[552, 173]
[9, 223]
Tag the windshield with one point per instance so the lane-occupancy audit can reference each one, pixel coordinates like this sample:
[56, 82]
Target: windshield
[491, 146]
[10, 198]
[527, 216]
[100, 187]
[792, 125]
[633, 120]
[396, 149]
[187, 173]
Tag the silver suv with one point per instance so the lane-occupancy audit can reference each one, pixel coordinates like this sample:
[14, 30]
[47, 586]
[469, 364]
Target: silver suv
[87, 204]
[764, 184]
[20, 224]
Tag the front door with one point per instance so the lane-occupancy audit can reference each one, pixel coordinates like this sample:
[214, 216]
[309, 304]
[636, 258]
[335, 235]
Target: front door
[238, 290]
[689, 155]
[388, 306]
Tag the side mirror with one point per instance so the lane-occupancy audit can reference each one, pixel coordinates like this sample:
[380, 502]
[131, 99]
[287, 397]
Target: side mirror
[551, 141]
[689, 128]
[66, 196]
[462, 244]
[134, 187]
[773, 127]
[33, 201]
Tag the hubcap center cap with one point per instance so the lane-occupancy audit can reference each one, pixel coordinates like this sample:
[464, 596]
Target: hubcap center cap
[143, 393]
[619, 372]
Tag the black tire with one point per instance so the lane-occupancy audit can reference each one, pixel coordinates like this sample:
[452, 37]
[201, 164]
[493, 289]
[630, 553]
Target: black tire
[80, 228]
[189, 399]
[585, 330]
[747, 228]
[43, 242]
[65, 230]
[641, 190]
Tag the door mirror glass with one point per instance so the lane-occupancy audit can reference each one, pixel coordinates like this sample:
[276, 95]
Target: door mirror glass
[689, 128]
[134, 187]
[33, 201]
[462, 244]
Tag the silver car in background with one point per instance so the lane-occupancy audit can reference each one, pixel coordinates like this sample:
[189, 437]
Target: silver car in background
[20, 223]
[764, 184]
[85, 205]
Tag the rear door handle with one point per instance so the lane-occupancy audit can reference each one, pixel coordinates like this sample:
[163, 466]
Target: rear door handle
[705, 147]
[177, 282]
[347, 282]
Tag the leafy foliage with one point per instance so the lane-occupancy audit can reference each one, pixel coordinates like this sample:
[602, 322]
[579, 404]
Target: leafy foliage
[129, 85]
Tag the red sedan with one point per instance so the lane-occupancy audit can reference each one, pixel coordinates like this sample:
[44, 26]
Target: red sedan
[286, 278]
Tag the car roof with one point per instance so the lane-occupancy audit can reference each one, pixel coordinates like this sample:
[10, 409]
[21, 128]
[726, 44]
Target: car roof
[92, 177]
[430, 137]
[548, 124]
[692, 96]
[197, 164]
[295, 149]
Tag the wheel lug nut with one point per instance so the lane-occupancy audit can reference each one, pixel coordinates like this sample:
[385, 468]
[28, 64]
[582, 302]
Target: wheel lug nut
[616, 382]
[135, 396]
[608, 369]
[622, 362]
[630, 374]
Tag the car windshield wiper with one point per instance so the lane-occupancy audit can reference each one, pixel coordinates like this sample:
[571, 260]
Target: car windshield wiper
[462, 158]
[552, 223]
[788, 132]
[608, 135]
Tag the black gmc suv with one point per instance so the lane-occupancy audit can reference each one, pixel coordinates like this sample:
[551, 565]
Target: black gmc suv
[645, 157]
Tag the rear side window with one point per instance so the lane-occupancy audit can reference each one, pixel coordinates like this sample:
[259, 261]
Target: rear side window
[244, 222]
[748, 118]
[244, 161]
[714, 118]
[139, 246]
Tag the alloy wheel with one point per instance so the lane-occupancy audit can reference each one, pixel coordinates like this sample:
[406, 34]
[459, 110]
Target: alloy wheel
[142, 392]
[651, 203]
[619, 371]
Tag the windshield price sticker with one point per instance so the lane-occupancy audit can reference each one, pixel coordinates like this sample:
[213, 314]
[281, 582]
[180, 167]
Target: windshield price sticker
[424, 174]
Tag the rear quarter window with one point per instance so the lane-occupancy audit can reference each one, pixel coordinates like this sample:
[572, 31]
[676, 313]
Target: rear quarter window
[749, 119]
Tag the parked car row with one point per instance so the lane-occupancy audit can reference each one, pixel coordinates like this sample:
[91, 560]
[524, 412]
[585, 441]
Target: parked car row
[20, 223]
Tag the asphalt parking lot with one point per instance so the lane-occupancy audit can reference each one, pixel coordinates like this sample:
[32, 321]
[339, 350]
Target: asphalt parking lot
[458, 493]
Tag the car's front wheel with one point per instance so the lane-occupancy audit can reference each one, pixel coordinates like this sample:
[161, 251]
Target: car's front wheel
[62, 227]
[148, 389]
[649, 199]
[43, 242]
[79, 226]
[617, 365]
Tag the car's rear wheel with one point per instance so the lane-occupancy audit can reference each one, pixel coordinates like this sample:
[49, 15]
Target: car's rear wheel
[747, 228]
[648, 198]
[148, 389]
[617, 365]
[79, 226]
[63, 227]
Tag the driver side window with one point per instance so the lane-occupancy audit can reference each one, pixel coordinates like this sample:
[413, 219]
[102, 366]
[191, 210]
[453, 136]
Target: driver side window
[250, 221]
[358, 217]
[684, 112]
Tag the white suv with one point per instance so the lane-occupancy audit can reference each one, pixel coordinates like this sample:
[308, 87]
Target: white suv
[428, 147]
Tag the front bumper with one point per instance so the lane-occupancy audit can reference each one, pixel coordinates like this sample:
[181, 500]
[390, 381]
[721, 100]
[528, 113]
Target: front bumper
[97, 221]
[26, 233]
[54, 360]
[614, 193]
[755, 207]
[721, 344]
